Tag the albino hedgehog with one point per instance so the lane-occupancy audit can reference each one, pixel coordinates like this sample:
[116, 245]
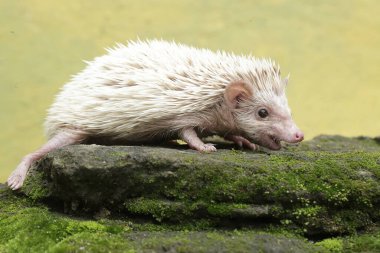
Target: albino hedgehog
[151, 91]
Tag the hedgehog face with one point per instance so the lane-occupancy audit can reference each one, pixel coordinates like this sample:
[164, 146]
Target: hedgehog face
[264, 117]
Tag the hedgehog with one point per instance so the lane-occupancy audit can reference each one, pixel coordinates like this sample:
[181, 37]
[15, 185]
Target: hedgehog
[152, 91]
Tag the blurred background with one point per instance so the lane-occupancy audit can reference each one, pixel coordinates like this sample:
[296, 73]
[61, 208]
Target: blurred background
[331, 49]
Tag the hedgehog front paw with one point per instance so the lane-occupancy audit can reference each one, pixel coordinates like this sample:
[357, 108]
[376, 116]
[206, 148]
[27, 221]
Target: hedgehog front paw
[208, 147]
[241, 142]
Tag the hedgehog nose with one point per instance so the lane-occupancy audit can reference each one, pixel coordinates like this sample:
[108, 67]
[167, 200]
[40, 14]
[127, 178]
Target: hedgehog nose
[298, 136]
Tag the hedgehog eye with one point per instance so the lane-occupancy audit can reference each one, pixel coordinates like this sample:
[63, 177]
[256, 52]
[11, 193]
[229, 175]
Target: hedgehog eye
[263, 113]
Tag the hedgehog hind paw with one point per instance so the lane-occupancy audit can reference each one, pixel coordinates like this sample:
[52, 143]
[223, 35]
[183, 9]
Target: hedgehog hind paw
[16, 179]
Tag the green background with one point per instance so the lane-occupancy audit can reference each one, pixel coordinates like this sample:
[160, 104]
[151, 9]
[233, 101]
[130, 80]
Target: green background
[331, 49]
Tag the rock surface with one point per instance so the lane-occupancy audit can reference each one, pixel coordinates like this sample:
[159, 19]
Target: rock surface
[171, 199]
[327, 186]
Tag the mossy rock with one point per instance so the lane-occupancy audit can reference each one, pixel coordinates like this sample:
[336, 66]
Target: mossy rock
[26, 226]
[326, 186]
[29, 226]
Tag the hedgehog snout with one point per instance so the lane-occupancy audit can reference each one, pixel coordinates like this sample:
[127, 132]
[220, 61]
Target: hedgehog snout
[292, 133]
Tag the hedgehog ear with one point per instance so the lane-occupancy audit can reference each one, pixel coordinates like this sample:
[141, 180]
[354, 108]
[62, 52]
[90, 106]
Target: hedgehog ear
[286, 80]
[235, 92]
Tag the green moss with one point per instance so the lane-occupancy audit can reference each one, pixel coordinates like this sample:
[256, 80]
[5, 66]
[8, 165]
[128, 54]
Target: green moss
[332, 245]
[36, 187]
[369, 242]
[225, 210]
[336, 143]
[93, 242]
[31, 230]
[235, 241]
[363, 243]
[190, 225]
[307, 212]
[26, 226]
[29, 227]
[308, 189]
[158, 209]
[182, 212]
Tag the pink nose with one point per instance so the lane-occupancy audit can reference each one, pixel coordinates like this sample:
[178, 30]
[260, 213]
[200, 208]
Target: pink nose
[298, 136]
